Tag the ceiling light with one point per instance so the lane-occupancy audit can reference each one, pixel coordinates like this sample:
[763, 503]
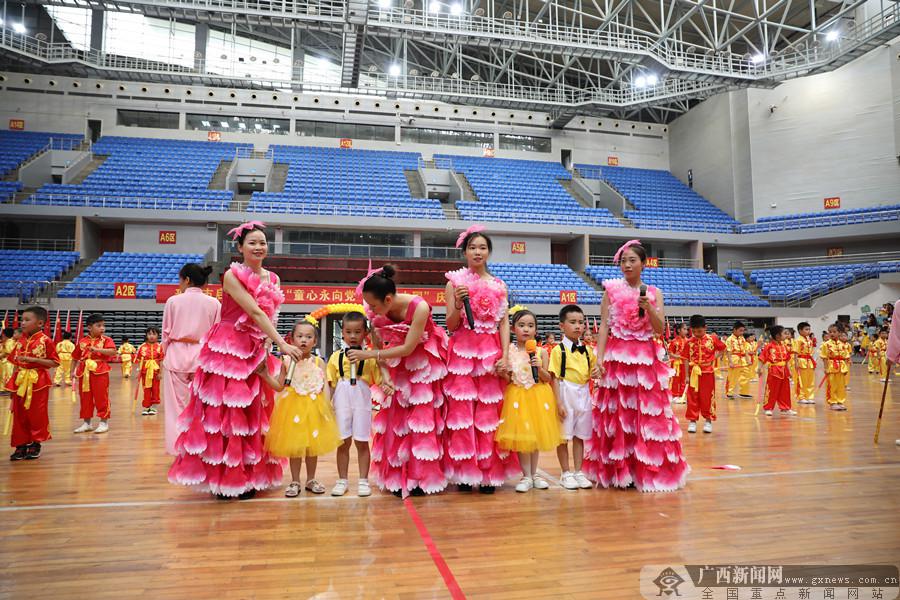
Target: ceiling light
[652, 79]
[19, 27]
[832, 35]
[757, 58]
[640, 82]
[434, 7]
[224, 124]
[384, 3]
[456, 9]
[394, 70]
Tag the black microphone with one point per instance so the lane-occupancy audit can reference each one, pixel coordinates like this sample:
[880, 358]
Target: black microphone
[469, 317]
[353, 366]
[643, 295]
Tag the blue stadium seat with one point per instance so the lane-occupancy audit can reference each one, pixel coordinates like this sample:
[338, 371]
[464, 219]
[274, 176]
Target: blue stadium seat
[25, 272]
[145, 269]
[831, 218]
[18, 146]
[796, 284]
[542, 283]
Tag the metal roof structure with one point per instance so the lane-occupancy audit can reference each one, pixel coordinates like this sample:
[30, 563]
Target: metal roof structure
[635, 59]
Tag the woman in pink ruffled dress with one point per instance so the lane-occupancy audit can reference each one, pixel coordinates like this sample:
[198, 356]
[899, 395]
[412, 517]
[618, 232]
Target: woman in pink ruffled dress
[636, 439]
[473, 389]
[406, 448]
[220, 447]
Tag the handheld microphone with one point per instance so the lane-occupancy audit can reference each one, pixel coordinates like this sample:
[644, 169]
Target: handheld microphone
[643, 295]
[353, 366]
[290, 373]
[531, 348]
[469, 317]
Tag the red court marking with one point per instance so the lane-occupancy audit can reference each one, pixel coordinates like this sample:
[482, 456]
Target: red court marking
[455, 592]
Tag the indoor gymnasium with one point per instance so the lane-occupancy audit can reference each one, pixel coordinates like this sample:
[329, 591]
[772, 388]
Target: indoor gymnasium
[487, 299]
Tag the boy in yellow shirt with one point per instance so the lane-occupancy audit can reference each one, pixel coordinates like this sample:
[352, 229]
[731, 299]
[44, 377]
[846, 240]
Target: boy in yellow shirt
[836, 357]
[805, 364]
[738, 361]
[64, 350]
[126, 355]
[571, 363]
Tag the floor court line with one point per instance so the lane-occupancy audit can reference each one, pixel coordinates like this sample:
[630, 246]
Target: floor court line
[202, 501]
[439, 562]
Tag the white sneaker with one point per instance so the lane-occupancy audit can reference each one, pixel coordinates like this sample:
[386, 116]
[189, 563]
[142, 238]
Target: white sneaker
[363, 489]
[789, 412]
[692, 427]
[85, 427]
[525, 484]
[707, 427]
[582, 481]
[768, 413]
[567, 480]
[340, 488]
[103, 427]
[540, 483]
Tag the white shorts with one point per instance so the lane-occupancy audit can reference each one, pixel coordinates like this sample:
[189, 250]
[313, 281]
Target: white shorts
[576, 399]
[353, 409]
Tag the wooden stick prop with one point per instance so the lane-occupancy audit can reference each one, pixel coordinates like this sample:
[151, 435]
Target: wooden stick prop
[887, 378]
[763, 390]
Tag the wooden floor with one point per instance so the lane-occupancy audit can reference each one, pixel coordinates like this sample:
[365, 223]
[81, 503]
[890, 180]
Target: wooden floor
[94, 517]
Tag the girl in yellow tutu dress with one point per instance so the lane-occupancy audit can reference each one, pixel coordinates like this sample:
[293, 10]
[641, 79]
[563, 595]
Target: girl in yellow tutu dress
[529, 422]
[303, 425]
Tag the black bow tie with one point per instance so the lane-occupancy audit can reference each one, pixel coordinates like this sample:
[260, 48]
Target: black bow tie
[580, 348]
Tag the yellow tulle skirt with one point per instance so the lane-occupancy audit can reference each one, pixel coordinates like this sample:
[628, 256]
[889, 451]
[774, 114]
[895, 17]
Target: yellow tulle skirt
[302, 426]
[528, 421]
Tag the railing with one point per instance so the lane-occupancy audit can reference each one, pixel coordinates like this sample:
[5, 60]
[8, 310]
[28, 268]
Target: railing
[37, 244]
[673, 263]
[814, 261]
[353, 250]
[874, 216]
[250, 152]
[25, 291]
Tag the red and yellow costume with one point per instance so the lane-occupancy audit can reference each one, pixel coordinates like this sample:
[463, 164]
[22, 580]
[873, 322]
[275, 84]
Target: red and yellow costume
[701, 355]
[806, 367]
[739, 360]
[836, 356]
[677, 359]
[778, 381]
[64, 351]
[126, 355]
[29, 387]
[92, 374]
[150, 357]
[879, 349]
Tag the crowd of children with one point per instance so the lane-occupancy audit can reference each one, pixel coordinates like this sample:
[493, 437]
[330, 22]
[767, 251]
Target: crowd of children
[470, 409]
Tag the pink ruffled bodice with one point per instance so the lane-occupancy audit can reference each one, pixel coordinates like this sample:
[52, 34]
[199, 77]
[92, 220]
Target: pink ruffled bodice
[222, 430]
[636, 437]
[487, 298]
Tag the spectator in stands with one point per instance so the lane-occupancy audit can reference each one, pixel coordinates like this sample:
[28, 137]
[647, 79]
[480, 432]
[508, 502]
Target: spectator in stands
[225, 410]
[32, 359]
[691, 178]
[872, 325]
[416, 351]
[91, 360]
[64, 351]
[478, 351]
[187, 317]
[632, 389]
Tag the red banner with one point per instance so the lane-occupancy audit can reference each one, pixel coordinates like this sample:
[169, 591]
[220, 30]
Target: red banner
[568, 297]
[214, 136]
[487, 151]
[346, 144]
[518, 247]
[125, 291]
[310, 294]
[612, 161]
[653, 261]
[17, 124]
[834, 202]
[167, 237]
[836, 251]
